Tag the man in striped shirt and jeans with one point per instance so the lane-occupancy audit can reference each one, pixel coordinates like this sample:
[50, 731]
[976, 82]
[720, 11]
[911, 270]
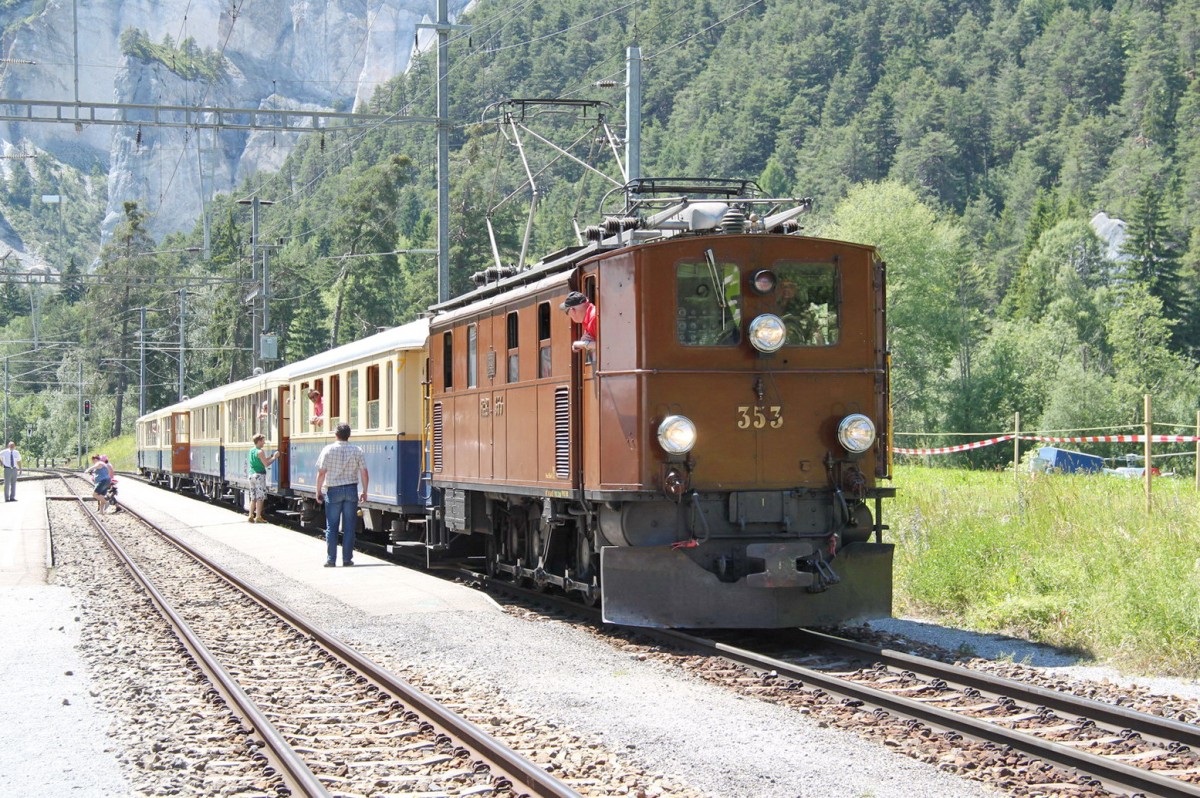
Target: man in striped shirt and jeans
[339, 468]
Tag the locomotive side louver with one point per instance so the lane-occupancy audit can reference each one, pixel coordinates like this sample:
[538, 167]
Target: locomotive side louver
[437, 436]
[562, 433]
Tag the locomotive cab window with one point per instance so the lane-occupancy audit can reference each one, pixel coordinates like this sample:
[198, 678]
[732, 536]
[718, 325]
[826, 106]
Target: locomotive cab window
[513, 348]
[472, 356]
[543, 323]
[708, 303]
[448, 360]
[807, 302]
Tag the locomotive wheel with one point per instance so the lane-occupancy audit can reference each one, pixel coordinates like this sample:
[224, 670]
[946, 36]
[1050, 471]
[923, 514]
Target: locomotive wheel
[584, 566]
[491, 556]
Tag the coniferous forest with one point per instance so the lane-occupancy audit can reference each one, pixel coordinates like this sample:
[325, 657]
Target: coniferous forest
[973, 141]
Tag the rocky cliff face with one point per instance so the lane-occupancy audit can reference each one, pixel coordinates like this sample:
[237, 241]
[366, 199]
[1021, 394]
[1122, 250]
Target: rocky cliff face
[299, 54]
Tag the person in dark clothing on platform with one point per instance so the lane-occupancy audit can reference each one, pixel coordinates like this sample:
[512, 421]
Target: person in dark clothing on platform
[10, 458]
[340, 467]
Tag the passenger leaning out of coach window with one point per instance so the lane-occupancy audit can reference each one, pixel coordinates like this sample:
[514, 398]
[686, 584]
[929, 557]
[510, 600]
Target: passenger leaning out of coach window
[318, 406]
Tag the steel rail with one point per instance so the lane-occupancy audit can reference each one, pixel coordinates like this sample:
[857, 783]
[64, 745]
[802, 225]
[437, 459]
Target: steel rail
[518, 771]
[295, 773]
[1141, 722]
[1110, 773]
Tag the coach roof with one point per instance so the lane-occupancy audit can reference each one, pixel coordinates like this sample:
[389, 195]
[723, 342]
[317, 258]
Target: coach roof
[407, 336]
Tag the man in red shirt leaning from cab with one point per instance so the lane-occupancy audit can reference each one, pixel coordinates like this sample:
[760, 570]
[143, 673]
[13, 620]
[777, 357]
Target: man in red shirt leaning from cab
[582, 312]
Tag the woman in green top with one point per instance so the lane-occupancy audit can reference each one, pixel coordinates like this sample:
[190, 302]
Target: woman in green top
[258, 478]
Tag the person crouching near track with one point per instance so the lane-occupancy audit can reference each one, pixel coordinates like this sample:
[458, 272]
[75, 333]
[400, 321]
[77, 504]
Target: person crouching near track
[259, 461]
[340, 466]
[102, 474]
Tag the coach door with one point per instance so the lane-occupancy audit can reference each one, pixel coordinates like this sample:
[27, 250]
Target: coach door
[181, 446]
[283, 418]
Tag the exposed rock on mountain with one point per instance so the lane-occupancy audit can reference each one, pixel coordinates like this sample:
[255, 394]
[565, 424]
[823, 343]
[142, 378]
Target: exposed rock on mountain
[263, 55]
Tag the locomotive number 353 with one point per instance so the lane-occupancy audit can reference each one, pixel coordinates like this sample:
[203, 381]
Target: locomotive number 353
[754, 417]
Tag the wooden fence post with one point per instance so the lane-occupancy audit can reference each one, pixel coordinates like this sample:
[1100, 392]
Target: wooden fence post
[1017, 445]
[1149, 431]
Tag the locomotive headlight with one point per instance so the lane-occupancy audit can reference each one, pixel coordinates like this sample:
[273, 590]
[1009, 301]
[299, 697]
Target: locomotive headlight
[677, 434]
[856, 433]
[767, 333]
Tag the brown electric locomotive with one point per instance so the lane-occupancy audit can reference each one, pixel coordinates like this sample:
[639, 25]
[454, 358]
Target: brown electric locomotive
[714, 459]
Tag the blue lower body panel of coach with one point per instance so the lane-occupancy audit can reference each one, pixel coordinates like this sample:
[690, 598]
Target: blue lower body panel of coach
[394, 467]
[237, 468]
[207, 460]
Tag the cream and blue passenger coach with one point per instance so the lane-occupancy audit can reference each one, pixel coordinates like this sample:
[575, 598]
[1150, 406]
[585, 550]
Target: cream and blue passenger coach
[376, 386]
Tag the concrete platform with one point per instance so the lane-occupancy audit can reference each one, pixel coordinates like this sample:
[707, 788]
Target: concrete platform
[24, 542]
[47, 706]
[374, 586]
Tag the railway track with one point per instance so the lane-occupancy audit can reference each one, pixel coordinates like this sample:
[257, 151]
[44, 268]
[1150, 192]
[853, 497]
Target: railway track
[1064, 743]
[1050, 739]
[315, 717]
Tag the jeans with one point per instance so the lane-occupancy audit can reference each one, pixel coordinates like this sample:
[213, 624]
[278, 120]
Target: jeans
[341, 508]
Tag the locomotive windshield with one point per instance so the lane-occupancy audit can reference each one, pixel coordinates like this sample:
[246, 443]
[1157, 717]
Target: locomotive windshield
[708, 302]
[807, 302]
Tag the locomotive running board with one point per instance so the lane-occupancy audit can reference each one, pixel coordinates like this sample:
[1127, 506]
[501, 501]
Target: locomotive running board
[658, 586]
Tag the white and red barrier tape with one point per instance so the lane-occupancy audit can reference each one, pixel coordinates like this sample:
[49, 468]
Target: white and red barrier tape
[960, 448]
[1081, 439]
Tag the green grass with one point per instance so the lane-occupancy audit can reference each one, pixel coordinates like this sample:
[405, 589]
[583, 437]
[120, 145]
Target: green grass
[121, 452]
[1071, 561]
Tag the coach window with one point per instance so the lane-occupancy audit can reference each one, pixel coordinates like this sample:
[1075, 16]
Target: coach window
[472, 355]
[513, 350]
[237, 420]
[333, 407]
[262, 413]
[246, 409]
[352, 399]
[807, 301]
[372, 397]
[708, 303]
[543, 322]
[387, 391]
[448, 360]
